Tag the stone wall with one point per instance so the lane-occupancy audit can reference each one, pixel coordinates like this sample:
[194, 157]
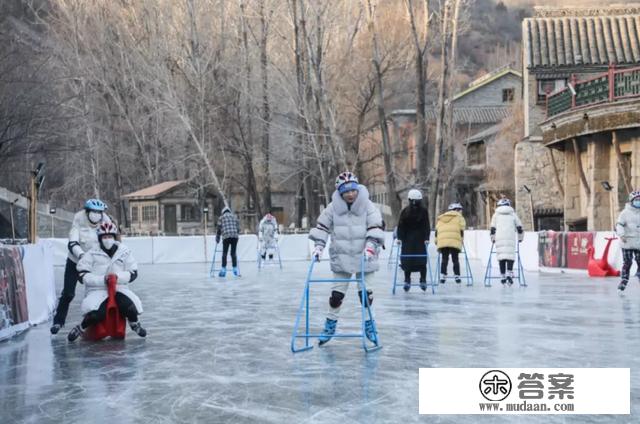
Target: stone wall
[534, 169]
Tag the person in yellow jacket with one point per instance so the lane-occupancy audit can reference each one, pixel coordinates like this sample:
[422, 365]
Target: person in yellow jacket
[450, 228]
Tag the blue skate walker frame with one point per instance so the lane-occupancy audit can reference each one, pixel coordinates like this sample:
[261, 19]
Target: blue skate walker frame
[213, 270]
[304, 310]
[522, 282]
[467, 266]
[268, 262]
[399, 256]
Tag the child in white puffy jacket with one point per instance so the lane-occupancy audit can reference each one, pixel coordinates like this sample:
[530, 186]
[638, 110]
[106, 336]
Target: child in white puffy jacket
[110, 258]
[505, 224]
[628, 229]
[355, 226]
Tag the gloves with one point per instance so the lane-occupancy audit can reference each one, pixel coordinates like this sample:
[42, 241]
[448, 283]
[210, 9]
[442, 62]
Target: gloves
[217, 239]
[369, 253]
[317, 253]
[520, 237]
[493, 238]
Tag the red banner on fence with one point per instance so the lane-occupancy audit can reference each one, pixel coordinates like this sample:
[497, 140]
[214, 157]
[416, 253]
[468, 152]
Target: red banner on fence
[577, 245]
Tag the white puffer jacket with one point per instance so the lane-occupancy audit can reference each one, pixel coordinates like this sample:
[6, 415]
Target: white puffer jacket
[351, 229]
[83, 236]
[505, 225]
[268, 232]
[628, 227]
[95, 265]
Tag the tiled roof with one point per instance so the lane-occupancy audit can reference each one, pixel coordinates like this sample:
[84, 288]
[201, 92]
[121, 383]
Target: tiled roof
[582, 37]
[475, 115]
[154, 190]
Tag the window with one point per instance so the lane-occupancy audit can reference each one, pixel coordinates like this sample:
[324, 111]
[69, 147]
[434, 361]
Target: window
[149, 213]
[189, 213]
[548, 86]
[134, 214]
[476, 153]
[507, 95]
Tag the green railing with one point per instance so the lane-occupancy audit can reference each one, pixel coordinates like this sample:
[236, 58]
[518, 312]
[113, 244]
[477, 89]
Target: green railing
[607, 87]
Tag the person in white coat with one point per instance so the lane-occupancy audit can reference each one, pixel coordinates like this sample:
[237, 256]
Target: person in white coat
[628, 229]
[268, 235]
[505, 225]
[355, 227]
[110, 258]
[82, 238]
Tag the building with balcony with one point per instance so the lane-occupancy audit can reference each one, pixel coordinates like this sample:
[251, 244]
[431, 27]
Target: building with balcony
[581, 148]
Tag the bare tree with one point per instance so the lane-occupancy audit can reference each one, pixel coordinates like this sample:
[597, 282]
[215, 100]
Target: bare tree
[394, 199]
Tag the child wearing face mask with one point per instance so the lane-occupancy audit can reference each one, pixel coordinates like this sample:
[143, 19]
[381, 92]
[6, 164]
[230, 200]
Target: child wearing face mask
[628, 229]
[355, 226]
[82, 238]
[110, 257]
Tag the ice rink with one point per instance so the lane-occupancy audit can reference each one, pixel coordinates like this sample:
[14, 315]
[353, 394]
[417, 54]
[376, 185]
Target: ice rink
[219, 351]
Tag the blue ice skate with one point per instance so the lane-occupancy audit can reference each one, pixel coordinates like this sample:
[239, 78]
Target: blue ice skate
[329, 331]
[236, 271]
[370, 331]
[222, 273]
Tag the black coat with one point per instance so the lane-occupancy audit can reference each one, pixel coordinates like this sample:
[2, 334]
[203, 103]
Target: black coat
[413, 230]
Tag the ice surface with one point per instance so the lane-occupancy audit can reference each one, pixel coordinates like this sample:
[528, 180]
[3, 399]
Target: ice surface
[218, 351]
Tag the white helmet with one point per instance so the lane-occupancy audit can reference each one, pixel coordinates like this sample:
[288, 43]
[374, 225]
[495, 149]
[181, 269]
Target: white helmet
[633, 195]
[504, 202]
[454, 206]
[414, 194]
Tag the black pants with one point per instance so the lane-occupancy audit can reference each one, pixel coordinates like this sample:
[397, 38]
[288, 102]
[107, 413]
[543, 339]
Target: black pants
[444, 263]
[125, 305]
[233, 242]
[627, 260]
[68, 292]
[505, 264]
[423, 275]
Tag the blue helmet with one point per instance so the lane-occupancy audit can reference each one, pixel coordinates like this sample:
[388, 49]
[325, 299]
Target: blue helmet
[95, 205]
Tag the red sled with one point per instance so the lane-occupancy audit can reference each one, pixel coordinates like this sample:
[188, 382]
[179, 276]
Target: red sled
[114, 325]
[600, 267]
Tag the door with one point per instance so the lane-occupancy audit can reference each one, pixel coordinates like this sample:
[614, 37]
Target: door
[170, 224]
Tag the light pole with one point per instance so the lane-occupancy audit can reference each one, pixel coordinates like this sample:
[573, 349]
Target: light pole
[205, 212]
[608, 187]
[52, 211]
[13, 227]
[533, 222]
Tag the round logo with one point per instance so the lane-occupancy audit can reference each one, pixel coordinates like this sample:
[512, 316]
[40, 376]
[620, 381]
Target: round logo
[495, 386]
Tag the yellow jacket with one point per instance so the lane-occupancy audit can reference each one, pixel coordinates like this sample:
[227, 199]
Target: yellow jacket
[449, 230]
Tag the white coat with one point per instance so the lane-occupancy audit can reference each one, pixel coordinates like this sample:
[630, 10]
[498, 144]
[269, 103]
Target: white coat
[351, 230]
[628, 227]
[506, 224]
[95, 265]
[268, 232]
[83, 235]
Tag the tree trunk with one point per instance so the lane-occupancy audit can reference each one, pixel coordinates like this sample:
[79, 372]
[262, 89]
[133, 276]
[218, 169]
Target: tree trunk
[394, 201]
[440, 148]
[266, 106]
[421, 60]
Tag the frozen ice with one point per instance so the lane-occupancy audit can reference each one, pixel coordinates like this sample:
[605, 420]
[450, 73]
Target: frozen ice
[218, 351]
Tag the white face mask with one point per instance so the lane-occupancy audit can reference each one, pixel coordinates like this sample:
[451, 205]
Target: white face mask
[95, 217]
[108, 243]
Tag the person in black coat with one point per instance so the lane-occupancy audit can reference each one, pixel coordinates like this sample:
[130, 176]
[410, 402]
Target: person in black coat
[413, 232]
